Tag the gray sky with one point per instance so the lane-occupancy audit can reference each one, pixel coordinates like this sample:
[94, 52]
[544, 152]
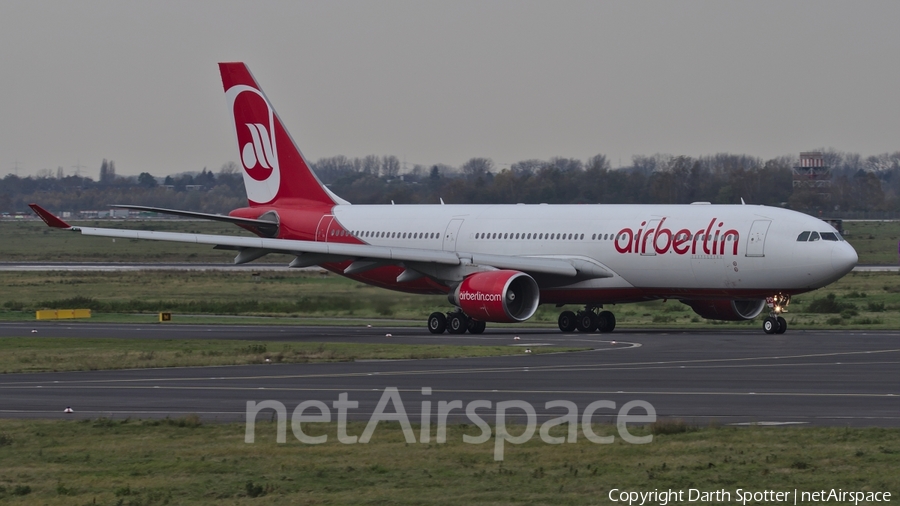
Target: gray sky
[441, 82]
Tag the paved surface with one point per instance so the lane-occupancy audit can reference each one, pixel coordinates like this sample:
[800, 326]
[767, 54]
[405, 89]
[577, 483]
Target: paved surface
[746, 376]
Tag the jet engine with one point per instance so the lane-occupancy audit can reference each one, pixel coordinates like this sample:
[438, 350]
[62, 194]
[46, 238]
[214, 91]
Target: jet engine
[501, 296]
[726, 309]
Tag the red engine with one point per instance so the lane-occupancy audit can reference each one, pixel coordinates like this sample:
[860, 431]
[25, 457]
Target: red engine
[497, 296]
[725, 309]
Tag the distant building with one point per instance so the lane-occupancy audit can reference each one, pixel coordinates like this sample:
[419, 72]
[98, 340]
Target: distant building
[812, 172]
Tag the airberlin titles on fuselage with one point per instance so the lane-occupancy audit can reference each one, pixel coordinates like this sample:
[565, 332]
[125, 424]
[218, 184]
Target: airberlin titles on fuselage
[711, 240]
[479, 296]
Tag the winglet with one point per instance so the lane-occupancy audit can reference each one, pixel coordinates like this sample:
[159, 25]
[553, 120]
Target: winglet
[49, 218]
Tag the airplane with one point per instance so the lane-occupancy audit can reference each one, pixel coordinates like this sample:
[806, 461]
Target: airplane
[497, 263]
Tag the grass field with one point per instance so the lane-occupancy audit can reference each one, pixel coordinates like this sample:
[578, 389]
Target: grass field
[36, 354]
[875, 241]
[862, 300]
[184, 461]
[32, 241]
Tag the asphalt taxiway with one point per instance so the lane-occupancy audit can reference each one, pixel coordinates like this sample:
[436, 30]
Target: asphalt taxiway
[731, 376]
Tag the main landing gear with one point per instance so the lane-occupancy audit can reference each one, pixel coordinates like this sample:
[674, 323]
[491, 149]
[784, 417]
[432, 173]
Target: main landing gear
[775, 323]
[587, 320]
[454, 322]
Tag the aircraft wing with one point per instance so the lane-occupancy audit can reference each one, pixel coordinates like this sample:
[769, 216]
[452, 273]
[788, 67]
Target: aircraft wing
[313, 253]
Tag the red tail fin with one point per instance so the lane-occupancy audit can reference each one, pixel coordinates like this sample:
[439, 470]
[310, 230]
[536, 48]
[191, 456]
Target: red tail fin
[275, 172]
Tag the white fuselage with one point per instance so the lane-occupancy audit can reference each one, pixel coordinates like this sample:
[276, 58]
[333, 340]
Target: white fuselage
[661, 250]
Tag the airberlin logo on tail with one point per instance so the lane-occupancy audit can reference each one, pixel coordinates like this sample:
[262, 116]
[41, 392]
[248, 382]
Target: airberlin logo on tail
[254, 122]
[259, 150]
[658, 239]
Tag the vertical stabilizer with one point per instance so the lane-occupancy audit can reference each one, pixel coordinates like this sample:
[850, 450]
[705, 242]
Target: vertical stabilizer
[275, 172]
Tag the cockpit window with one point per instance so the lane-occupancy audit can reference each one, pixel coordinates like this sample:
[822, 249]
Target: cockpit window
[803, 237]
[829, 236]
[813, 236]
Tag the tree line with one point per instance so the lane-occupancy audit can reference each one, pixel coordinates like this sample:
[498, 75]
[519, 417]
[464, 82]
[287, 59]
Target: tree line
[858, 184]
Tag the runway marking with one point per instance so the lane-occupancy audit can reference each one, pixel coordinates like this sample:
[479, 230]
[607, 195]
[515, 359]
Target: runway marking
[655, 365]
[486, 391]
[362, 415]
[78, 383]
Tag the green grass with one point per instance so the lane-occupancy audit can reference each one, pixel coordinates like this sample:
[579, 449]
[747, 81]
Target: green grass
[296, 298]
[290, 293]
[184, 461]
[33, 241]
[36, 354]
[874, 241]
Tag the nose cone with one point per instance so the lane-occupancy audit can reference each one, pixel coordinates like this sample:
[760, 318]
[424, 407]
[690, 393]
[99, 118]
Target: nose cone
[843, 258]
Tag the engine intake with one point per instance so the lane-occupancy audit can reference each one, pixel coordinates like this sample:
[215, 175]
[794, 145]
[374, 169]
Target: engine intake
[726, 309]
[502, 296]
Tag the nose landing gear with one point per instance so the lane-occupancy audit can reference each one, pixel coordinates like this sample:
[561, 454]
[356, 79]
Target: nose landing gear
[775, 323]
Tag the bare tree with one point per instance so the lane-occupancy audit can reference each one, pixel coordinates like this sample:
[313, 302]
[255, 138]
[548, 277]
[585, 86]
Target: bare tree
[107, 172]
[229, 168]
[477, 167]
[371, 164]
[527, 166]
[598, 162]
[567, 164]
[390, 166]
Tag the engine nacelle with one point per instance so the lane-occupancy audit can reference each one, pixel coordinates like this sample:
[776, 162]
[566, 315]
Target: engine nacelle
[725, 309]
[497, 296]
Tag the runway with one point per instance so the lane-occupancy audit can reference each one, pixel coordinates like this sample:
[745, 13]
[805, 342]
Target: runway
[730, 377]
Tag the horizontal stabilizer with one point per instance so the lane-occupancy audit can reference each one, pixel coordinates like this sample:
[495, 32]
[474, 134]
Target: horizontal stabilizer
[49, 218]
[267, 227]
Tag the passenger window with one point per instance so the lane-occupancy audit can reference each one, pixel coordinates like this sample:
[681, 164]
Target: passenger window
[829, 236]
[813, 236]
[803, 237]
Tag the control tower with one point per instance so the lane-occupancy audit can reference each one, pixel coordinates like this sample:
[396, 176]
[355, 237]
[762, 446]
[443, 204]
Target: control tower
[812, 172]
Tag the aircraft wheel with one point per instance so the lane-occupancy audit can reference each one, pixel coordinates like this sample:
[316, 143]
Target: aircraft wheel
[437, 323]
[782, 325]
[457, 323]
[566, 321]
[585, 321]
[476, 326]
[606, 322]
[770, 325]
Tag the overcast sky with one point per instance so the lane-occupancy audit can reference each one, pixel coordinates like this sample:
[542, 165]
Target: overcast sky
[441, 82]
